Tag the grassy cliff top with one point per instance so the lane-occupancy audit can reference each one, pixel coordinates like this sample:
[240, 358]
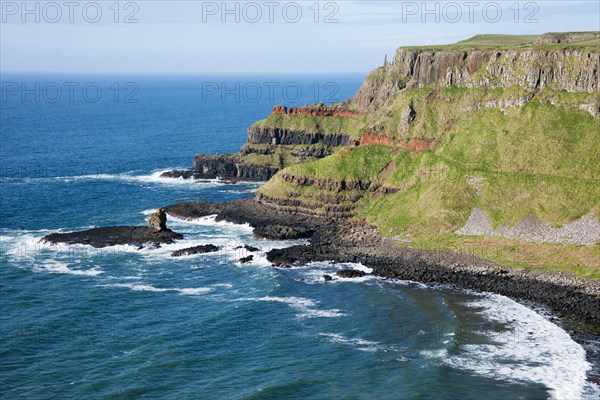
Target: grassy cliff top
[547, 41]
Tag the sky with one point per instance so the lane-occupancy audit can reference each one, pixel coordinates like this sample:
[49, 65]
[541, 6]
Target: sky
[237, 37]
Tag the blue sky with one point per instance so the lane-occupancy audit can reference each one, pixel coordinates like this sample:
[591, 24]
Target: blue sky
[199, 37]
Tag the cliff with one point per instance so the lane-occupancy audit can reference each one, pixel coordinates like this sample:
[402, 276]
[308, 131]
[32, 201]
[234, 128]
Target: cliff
[533, 67]
[445, 137]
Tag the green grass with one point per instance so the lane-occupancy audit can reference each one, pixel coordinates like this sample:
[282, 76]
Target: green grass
[359, 164]
[538, 138]
[581, 261]
[508, 42]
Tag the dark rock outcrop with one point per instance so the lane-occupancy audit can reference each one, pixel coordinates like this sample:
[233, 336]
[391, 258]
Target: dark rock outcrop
[155, 233]
[194, 209]
[282, 232]
[245, 260]
[201, 249]
[350, 273]
[280, 136]
[561, 292]
[115, 235]
[179, 174]
[249, 248]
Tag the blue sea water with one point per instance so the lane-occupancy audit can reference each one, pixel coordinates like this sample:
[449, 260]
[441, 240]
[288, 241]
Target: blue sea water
[128, 323]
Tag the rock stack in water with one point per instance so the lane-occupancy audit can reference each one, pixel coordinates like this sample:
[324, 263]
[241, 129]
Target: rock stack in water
[158, 220]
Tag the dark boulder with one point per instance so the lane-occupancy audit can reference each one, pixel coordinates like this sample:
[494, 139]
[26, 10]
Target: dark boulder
[178, 173]
[244, 260]
[350, 273]
[194, 209]
[281, 232]
[249, 248]
[201, 249]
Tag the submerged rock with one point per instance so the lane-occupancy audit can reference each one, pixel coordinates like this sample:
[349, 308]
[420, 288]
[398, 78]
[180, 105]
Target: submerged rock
[249, 248]
[327, 278]
[201, 249]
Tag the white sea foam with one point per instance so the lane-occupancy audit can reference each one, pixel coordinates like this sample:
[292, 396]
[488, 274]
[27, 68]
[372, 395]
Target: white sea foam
[62, 268]
[224, 285]
[312, 273]
[154, 177]
[141, 287]
[209, 220]
[305, 307]
[357, 343]
[532, 349]
[195, 291]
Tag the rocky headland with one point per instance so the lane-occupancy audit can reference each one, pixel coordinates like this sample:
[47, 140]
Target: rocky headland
[490, 143]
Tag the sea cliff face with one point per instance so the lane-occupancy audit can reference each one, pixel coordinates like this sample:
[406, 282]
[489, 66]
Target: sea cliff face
[573, 70]
[230, 166]
[282, 136]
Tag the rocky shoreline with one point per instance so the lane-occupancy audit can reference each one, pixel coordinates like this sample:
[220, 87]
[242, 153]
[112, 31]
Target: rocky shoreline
[343, 241]
[574, 302]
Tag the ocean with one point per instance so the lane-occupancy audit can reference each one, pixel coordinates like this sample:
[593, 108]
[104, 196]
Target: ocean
[121, 322]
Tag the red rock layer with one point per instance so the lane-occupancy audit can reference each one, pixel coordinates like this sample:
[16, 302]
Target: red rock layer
[417, 145]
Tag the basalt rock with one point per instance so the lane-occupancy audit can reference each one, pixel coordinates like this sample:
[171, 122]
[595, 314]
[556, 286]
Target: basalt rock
[281, 136]
[230, 167]
[245, 260]
[282, 232]
[249, 248]
[350, 273]
[573, 70]
[194, 209]
[201, 249]
[115, 235]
